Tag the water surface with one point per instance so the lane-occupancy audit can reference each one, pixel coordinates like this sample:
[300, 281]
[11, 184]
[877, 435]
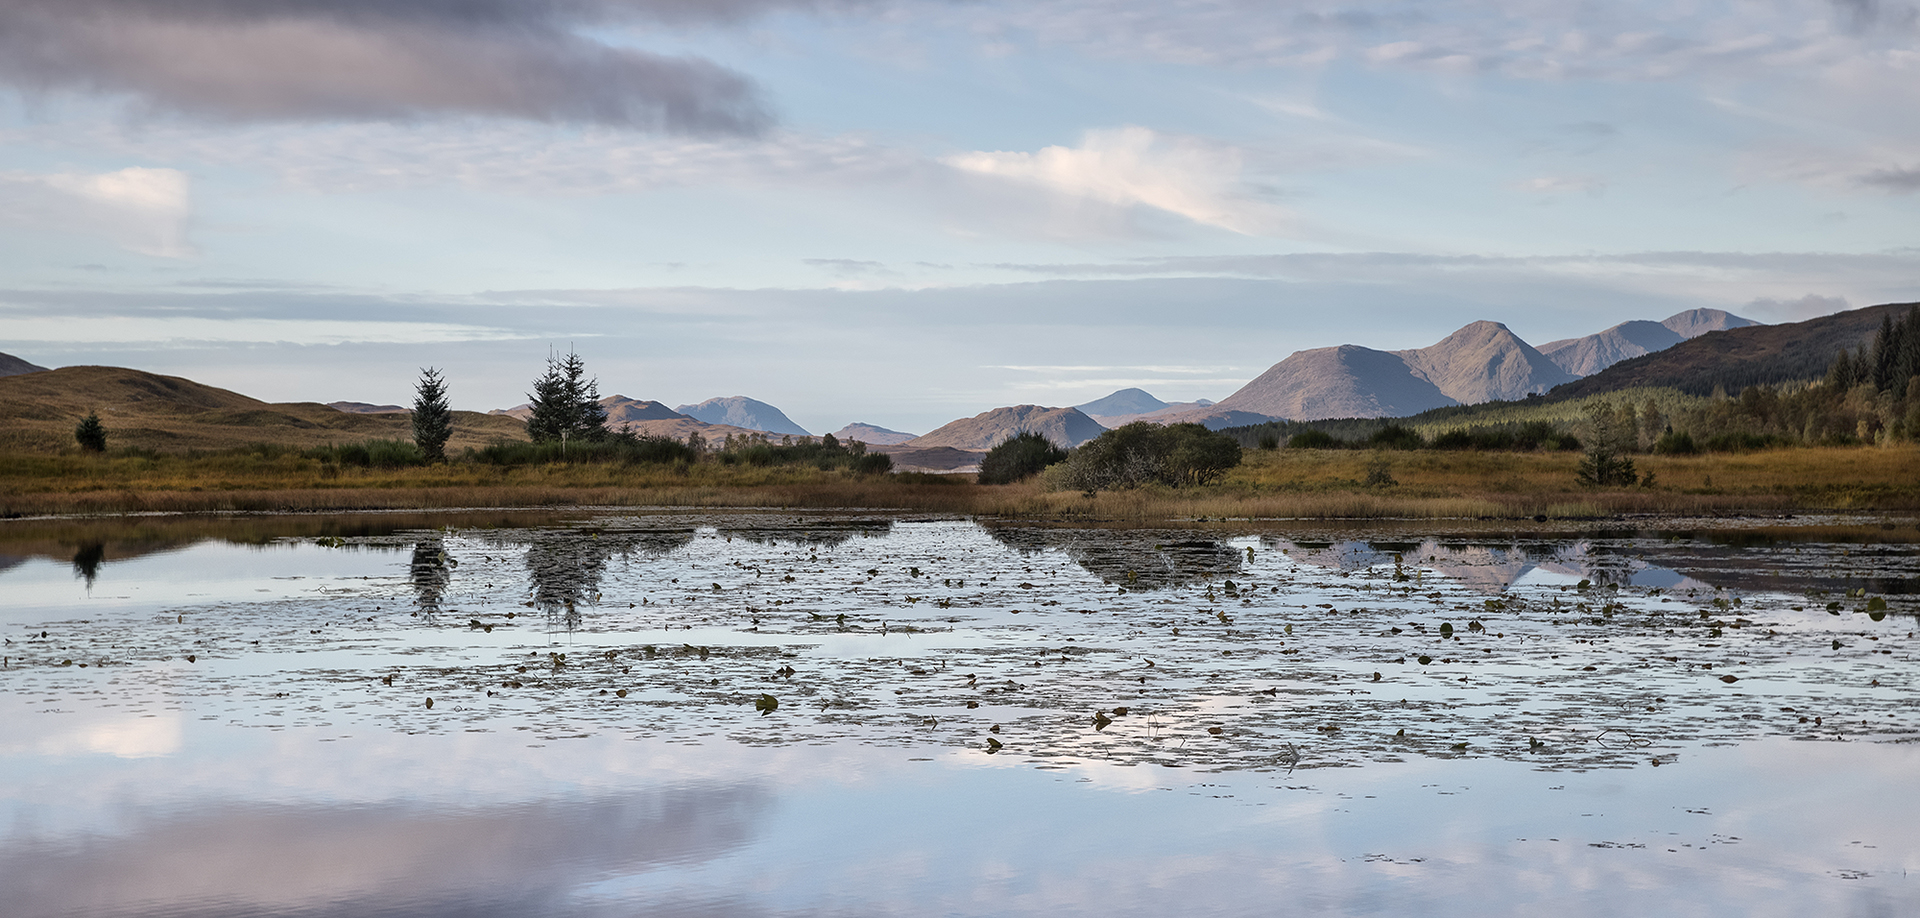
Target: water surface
[742, 713]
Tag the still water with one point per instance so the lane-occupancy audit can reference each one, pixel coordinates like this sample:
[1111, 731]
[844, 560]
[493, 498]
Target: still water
[624, 712]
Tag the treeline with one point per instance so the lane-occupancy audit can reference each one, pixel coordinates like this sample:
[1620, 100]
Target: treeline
[568, 425]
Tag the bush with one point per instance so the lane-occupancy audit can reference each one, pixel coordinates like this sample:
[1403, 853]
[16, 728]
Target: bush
[1676, 443]
[1747, 442]
[1022, 455]
[623, 448]
[1145, 453]
[371, 454]
[1312, 439]
[1393, 436]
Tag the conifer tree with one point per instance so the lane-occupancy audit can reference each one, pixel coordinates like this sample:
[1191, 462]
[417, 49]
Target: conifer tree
[566, 403]
[91, 434]
[432, 417]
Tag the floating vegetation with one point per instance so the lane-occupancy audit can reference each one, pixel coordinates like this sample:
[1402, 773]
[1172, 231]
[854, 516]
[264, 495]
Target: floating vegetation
[1255, 648]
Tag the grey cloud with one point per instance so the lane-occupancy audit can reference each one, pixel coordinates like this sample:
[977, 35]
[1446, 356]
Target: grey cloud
[362, 59]
[1895, 179]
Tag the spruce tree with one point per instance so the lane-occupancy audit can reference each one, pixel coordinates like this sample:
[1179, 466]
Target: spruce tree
[432, 417]
[566, 404]
[91, 434]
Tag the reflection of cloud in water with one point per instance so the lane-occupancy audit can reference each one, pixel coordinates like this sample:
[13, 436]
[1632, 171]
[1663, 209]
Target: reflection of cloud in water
[1492, 567]
[77, 734]
[393, 859]
[1135, 558]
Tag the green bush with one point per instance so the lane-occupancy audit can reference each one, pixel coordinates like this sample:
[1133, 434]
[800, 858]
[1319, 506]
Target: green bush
[371, 454]
[1022, 455]
[1676, 443]
[621, 448]
[1312, 439]
[1143, 453]
[1393, 436]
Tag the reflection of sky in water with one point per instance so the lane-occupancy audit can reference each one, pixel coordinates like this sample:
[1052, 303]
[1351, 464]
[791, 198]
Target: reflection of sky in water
[284, 777]
[207, 572]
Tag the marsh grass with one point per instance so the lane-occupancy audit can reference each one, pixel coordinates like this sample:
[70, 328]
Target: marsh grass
[1293, 483]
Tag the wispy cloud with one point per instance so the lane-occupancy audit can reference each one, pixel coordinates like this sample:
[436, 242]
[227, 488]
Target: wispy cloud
[1198, 179]
[140, 209]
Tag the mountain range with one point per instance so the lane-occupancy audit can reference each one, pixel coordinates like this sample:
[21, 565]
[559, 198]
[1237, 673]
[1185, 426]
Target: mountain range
[1483, 361]
[1694, 351]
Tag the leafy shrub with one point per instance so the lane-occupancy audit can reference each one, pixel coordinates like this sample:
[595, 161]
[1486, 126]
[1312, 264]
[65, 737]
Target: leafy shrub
[623, 448]
[1735, 442]
[1020, 456]
[1145, 453]
[1393, 436]
[1312, 439]
[1676, 443]
[371, 454]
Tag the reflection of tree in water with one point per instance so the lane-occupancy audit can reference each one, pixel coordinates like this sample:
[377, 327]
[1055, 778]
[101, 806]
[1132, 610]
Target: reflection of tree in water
[813, 534]
[430, 573]
[86, 561]
[1137, 559]
[564, 566]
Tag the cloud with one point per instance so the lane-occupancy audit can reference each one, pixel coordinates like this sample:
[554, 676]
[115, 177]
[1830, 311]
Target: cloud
[1197, 179]
[368, 60]
[1893, 179]
[143, 210]
[1590, 185]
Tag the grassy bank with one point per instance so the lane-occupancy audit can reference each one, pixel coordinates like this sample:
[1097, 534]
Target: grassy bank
[1323, 484]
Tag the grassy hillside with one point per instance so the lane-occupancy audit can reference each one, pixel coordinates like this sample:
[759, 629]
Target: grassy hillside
[1757, 355]
[148, 411]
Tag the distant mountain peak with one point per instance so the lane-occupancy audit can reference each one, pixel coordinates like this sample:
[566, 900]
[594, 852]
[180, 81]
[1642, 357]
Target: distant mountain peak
[1125, 401]
[872, 434]
[741, 411]
[1066, 427]
[1696, 322]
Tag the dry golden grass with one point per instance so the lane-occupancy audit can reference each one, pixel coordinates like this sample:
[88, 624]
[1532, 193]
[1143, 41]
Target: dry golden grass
[1300, 484]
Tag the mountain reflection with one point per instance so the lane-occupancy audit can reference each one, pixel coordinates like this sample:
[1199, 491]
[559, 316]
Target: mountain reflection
[1487, 566]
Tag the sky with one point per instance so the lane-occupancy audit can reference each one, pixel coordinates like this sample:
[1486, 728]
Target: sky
[902, 212]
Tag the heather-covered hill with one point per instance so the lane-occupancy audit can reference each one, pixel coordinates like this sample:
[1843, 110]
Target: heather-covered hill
[38, 411]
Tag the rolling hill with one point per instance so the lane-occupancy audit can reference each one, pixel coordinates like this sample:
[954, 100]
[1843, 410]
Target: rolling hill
[149, 411]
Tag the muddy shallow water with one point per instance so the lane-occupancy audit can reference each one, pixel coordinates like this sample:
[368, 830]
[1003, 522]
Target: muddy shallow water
[738, 713]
